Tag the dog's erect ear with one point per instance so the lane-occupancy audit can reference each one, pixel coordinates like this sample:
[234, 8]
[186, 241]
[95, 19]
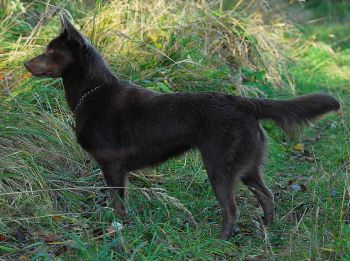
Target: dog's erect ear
[69, 31]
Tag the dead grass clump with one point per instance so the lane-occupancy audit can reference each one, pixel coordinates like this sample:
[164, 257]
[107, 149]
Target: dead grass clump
[189, 46]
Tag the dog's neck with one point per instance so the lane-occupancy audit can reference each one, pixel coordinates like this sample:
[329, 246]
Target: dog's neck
[85, 75]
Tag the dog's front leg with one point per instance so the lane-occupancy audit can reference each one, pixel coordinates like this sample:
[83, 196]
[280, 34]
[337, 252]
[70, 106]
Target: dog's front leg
[116, 177]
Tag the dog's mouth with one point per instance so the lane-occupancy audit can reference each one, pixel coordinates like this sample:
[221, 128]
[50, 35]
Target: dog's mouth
[39, 74]
[42, 74]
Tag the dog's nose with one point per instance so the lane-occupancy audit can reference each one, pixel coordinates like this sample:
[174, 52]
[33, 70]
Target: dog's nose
[26, 65]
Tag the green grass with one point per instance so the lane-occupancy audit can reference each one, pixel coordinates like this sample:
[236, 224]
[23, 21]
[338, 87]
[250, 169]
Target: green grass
[53, 204]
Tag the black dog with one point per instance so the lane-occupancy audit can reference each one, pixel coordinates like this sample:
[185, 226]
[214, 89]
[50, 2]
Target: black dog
[125, 127]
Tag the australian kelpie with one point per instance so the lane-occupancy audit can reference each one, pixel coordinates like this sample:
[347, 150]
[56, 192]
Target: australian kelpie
[125, 127]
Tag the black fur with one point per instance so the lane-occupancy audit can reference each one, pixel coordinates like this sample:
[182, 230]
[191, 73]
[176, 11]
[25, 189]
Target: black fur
[126, 127]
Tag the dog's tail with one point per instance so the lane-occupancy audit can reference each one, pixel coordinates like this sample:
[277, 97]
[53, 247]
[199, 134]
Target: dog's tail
[291, 114]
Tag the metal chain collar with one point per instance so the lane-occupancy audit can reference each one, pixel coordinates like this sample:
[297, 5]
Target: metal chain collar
[84, 96]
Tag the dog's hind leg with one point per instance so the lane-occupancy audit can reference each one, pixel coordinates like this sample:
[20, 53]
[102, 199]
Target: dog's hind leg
[116, 178]
[223, 187]
[254, 181]
[223, 183]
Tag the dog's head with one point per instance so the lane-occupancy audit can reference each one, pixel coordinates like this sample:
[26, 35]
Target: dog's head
[62, 52]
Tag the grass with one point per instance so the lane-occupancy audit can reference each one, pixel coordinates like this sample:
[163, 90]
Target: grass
[53, 199]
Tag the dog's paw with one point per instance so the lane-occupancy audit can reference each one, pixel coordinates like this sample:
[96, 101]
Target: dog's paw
[236, 231]
[121, 213]
[267, 220]
[225, 235]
